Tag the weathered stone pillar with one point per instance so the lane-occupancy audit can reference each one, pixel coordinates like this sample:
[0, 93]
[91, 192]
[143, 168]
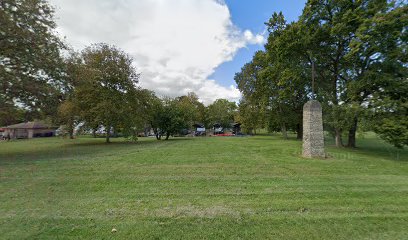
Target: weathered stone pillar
[313, 138]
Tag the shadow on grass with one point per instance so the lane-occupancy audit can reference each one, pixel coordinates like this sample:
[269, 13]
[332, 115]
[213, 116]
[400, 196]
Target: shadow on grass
[266, 137]
[376, 148]
[27, 151]
[369, 148]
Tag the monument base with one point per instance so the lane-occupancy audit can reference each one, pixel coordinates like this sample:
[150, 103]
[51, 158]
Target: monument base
[313, 137]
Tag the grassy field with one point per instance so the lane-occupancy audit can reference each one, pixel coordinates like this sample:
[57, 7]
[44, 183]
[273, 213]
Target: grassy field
[201, 188]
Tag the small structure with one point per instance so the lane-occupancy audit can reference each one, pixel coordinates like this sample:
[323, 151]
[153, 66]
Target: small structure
[313, 138]
[29, 130]
[218, 129]
[236, 128]
[199, 129]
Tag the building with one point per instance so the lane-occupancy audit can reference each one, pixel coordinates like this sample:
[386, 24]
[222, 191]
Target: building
[218, 129]
[199, 129]
[236, 128]
[29, 130]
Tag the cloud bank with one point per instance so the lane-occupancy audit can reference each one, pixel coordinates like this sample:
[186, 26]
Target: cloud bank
[176, 45]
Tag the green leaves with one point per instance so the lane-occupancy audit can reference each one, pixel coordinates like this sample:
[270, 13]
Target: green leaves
[222, 112]
[394, 130]
[359, 52]
[30, 62]
[169, 117]
[102, 90]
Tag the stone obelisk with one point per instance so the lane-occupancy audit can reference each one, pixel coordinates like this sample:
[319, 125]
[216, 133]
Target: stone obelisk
[313, 138]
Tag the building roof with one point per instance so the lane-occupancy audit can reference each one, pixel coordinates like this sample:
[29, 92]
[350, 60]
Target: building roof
[198, 125]
[236, 124]
[28, 125]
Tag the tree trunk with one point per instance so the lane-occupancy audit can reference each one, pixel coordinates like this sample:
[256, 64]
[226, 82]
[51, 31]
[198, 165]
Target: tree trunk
[167, 136]
[157, 134]
[299, 130]
[94, 131]
[338, 137]
[71, 133]
[71, 129]
[352, 134]
[108, 134]
[338, 131]
[284, 132]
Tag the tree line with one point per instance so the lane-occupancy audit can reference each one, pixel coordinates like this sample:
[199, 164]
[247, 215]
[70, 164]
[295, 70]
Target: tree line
[356, 52]
[42, 78]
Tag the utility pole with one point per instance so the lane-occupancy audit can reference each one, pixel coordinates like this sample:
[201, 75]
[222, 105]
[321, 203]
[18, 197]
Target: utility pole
[313, 80]
[310, 55]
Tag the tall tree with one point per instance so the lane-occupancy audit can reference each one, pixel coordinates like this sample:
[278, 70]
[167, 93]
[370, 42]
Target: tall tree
[169, 118]
[287, 74]
[250, 116]
[275, 81]
[251, 82]
[331, 25]
[30, 62]
[354, 43]
[380, 73]
[358, 52]
[75, 72]
[106, 95]
[193, 109]
[222, 112]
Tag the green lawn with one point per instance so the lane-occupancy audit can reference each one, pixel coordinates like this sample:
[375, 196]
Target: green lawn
[201, 188]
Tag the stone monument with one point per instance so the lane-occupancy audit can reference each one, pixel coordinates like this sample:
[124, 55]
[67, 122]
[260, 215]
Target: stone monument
[313, 138]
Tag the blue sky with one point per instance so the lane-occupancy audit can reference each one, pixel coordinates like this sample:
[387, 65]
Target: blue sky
[178, 46]
[252, 15]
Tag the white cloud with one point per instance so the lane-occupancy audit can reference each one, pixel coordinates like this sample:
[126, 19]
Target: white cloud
[176, 45]
[254, 39]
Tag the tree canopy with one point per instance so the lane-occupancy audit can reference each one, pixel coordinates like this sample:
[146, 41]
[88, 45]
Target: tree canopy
[30, 59]
[355, 51]
[105, 91]
[222, 112]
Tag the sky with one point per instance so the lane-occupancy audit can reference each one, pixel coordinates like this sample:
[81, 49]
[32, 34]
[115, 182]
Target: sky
[178, 46]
